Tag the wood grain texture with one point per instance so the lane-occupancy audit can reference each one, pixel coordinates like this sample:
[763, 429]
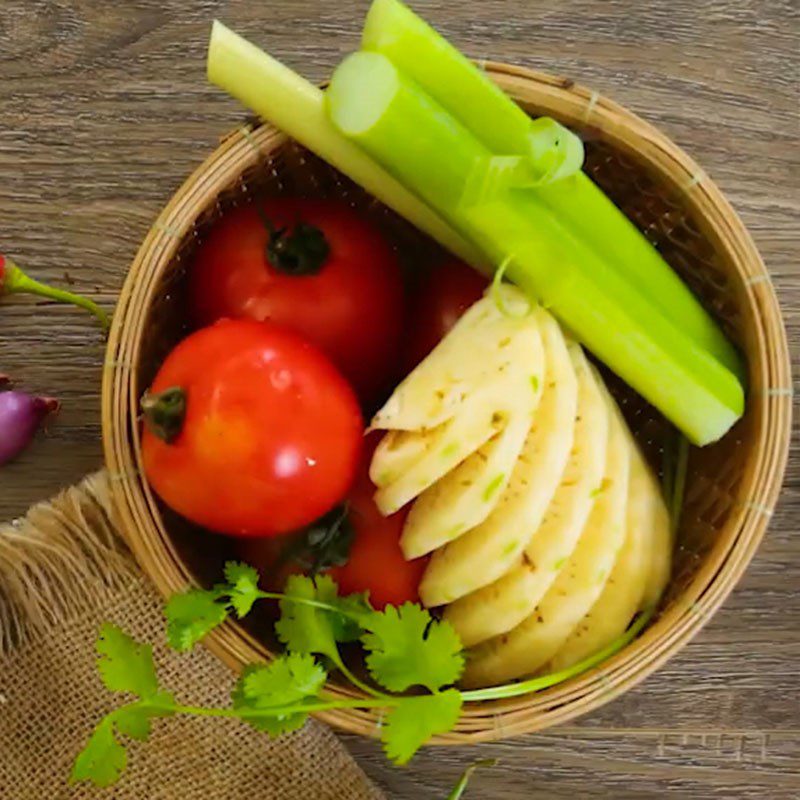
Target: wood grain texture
[106, 109]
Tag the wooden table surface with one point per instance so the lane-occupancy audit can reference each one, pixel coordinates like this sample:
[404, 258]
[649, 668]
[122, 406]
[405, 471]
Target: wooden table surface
[105, 110]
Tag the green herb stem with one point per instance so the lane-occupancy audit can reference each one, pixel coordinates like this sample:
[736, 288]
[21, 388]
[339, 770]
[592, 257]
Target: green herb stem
[308, 602]
[678, 487]
[545, 681]
[299, 708]
[475, 695]
[461, 786]
[357, 682]
[668, 469]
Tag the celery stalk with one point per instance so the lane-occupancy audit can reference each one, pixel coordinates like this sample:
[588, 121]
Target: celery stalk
[451, 79]
[433, 154]
[611, 317]
[296, 107]
[370, 102]
[391, 28]
[589, 212]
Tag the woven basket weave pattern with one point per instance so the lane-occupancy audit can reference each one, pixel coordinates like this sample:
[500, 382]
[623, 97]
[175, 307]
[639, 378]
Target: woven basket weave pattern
[731, 485]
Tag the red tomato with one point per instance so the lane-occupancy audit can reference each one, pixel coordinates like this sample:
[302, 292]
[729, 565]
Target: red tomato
[324, 271]
[263, 435]
[266, 555]
[376, 562]
[442, 296]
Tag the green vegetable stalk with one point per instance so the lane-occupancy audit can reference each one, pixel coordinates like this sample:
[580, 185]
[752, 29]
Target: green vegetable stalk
[605, 312]
[467, 93]
[433, 154]
[456, 84]
[296, 107]
[589, 212]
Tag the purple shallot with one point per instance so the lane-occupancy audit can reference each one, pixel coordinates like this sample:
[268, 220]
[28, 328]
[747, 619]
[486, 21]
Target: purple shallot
[21, 415]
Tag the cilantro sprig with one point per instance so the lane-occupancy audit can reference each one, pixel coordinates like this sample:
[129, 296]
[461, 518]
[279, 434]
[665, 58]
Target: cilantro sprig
[125, 666]
[277, 697]
[405, 647]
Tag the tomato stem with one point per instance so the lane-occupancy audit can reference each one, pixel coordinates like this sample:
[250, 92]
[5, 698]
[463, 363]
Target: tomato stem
[14, 281]
[301, 249]
[164, 412]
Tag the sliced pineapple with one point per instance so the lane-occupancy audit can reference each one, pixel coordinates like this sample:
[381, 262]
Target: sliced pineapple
[484, 345]
[465, 496]
[398, 451]
[661, 550]
[547, 529]
[529, 646]
[420, 450]
[443, 448]
[505, 603]
[484, 553]
[623, 594]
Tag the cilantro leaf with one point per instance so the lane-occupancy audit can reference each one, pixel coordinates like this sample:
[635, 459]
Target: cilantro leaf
[408, 648]
[243, 586]
[240, 575]
[124, 664]
[192, 615]
[349, 625]
[103, 759]
[285, 681]
[304, 628]
[241, 702]
[134, 720]
[412, 723]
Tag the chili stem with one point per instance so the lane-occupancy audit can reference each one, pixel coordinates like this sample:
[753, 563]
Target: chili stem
[17, 282]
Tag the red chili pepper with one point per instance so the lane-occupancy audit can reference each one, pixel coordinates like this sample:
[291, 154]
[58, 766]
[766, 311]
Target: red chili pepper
[14, 281]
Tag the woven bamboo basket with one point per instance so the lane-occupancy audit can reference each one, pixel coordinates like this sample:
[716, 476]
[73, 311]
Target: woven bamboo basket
[732, 486]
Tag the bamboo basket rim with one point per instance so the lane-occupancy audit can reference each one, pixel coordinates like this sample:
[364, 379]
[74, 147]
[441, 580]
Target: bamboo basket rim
[769, 401]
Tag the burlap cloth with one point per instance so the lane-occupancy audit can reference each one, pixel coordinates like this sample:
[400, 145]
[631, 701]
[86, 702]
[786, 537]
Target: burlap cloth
[64, 569]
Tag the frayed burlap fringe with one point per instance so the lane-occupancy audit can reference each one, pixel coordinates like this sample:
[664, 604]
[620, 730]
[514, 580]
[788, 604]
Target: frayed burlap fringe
[64, 570]
[63, 559]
